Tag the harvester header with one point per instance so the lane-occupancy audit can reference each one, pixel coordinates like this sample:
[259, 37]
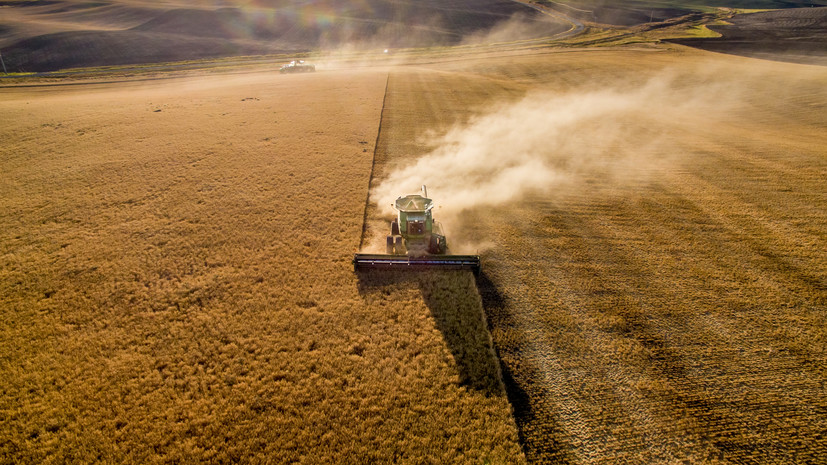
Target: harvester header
[416, 241]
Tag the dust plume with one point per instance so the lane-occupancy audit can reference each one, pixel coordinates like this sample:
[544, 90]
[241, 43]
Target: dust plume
[549, 142]
[396, 43]
[520, 26]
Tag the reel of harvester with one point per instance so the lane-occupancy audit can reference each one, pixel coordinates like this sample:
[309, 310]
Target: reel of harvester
[416, 241]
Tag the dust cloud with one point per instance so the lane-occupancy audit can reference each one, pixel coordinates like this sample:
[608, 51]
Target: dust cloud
[551, 142]
[519, 26]
[395, 44]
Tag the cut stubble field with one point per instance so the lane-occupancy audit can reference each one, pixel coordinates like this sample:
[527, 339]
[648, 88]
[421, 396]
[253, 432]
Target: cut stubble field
[659, 294]
[175, 284]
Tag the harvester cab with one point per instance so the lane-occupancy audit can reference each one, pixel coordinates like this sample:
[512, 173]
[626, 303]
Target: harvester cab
[414, 231]
[416, 241]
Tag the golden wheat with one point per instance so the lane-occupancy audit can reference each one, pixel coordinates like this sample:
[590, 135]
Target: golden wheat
[176, 284]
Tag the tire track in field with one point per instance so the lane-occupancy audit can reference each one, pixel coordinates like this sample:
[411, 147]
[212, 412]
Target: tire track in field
[624, 356]
[582, 395]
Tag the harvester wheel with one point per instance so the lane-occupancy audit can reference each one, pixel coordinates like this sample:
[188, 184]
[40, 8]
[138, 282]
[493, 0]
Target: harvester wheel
[390, 245]
[395, 228]
[433, 246]
[400, 248]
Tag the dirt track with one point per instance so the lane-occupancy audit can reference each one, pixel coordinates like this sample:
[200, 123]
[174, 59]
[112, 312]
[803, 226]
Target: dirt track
[677, 316]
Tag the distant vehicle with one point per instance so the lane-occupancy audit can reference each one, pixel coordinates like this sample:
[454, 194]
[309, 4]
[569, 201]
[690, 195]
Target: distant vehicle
[299, 66]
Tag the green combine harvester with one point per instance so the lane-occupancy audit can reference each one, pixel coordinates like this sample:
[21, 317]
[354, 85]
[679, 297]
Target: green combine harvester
[416, 241]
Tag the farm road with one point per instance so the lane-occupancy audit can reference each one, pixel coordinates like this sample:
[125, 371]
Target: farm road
[676, 316]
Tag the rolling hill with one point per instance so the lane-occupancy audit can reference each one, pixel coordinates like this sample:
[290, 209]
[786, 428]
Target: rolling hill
[43, 36]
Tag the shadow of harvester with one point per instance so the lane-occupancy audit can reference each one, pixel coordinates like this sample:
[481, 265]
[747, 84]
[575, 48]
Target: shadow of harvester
[456, 307]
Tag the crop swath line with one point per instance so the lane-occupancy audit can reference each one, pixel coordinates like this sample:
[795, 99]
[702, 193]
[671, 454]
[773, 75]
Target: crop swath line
[373, 163]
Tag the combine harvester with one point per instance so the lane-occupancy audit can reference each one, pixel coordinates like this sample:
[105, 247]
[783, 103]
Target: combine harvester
[416, 241]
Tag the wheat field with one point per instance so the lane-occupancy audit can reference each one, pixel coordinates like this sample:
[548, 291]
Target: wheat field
[176, 279]
[662, 300]
[176, 285]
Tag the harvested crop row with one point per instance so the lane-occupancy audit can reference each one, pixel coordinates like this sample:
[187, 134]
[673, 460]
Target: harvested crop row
[663, 298]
